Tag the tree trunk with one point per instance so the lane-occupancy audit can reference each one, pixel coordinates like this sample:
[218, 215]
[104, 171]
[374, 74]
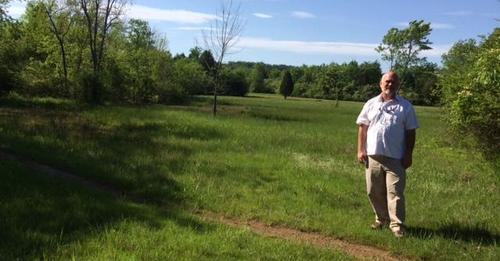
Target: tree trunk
[215, 101]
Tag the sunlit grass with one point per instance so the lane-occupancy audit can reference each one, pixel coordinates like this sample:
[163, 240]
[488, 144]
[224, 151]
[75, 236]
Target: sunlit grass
[282, 162]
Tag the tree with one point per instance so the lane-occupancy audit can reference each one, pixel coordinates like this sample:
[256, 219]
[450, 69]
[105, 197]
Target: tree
[234, 82]
[331, 81]
[401, 47]
[258, 78]
[60, 18]
[207, 61]
[286, 86]
[195, 53]
[473, 98]
[8, 65]
[221, 37]
[100, 16]
[3, 14]
[140, 35]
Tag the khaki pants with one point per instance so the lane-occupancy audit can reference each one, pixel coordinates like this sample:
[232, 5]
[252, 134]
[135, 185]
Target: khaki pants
[385, 184]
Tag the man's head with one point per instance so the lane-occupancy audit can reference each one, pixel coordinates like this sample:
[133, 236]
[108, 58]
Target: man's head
[389, 84]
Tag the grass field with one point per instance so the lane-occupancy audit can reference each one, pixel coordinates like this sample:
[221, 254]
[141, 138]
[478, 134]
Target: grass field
[289, 162]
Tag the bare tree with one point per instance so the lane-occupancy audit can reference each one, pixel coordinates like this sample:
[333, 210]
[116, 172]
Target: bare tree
[223, 35]
[99, 16]
[60, 18]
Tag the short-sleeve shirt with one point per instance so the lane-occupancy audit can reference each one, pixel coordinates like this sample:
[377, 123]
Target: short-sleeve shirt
[387, 123]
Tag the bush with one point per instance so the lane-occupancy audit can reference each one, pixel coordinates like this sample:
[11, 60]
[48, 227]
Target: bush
[192, 76]
[234, 83]
[172, 93]
[473, 98]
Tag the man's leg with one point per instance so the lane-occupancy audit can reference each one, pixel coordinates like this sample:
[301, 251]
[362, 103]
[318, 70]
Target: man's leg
[376, 190]
[395, 181]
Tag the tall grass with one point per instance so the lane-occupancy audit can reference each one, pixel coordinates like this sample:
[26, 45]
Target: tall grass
[282, 162]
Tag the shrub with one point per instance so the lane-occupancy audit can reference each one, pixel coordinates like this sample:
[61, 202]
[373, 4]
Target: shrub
[473, 98]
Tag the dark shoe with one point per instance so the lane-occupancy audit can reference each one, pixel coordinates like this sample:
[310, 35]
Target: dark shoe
[378, 225]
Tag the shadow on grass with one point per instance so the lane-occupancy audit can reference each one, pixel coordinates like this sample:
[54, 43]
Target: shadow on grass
[138, 156]
[273, 115]
[455, 231]
[15, 101]
[40, 214]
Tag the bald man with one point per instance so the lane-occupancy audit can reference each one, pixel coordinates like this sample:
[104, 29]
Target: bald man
[386, 138]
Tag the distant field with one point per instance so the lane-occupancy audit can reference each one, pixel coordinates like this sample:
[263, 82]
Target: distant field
[289, 162]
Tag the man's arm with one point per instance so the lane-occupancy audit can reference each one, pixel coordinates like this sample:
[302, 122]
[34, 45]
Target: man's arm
[409, 145]
[362, 131]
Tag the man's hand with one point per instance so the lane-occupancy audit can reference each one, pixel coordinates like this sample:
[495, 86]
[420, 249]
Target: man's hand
[362, 157]
[410, 143]
[407, 161]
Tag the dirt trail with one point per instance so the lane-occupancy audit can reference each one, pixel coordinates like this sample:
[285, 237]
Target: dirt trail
[312, 238]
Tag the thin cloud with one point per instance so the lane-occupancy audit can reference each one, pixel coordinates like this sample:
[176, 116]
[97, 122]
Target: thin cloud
[192, 28]
[302, 14]
[261, 15]
[335, 48]
[169, 15]
[305, 47]
[437, 50]
[442, 26]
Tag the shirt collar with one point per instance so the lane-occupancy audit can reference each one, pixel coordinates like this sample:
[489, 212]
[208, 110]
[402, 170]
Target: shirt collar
[396, 97]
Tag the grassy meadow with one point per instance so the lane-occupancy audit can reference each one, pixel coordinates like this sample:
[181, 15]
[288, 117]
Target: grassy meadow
[262, 158]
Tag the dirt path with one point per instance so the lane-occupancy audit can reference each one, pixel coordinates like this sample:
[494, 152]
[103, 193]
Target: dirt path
[312, 238]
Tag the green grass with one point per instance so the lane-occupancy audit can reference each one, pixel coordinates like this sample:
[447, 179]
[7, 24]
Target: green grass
[282, 162]
[47, 218]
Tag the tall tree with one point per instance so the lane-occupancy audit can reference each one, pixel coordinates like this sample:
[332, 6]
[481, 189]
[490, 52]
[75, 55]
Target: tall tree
[139, 34]
[61, 19]
[207, 61]
[401, 46]
[195, 53]
[286, 87]
[222, 36]
[258, 78]
[99, 15]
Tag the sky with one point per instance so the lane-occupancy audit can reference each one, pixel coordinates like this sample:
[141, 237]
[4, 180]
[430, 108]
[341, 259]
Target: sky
[313, 32]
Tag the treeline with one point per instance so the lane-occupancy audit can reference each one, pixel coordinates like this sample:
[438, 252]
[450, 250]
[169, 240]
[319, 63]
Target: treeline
[72, 51]
[65, 51]
[83, 50]
[348, 81]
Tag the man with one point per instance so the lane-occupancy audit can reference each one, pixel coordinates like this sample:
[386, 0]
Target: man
[386, 137]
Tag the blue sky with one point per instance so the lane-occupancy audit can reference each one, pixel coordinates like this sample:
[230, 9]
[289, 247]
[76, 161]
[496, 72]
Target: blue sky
[310, 32]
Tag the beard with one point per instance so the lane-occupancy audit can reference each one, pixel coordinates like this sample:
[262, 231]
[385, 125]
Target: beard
[389, 92]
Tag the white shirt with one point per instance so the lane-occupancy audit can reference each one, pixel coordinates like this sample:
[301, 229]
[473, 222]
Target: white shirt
[387, 123]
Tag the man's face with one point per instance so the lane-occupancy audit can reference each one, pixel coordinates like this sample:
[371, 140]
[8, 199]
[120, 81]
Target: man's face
[389, 84]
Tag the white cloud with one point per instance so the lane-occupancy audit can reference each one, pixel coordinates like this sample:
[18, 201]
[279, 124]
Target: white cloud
[437, 50]
[192, 28]
[306, 47]
[302, 14]
[170, 15]
[16, 9]
[312, 47]
[441, 26]
[261, 15]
